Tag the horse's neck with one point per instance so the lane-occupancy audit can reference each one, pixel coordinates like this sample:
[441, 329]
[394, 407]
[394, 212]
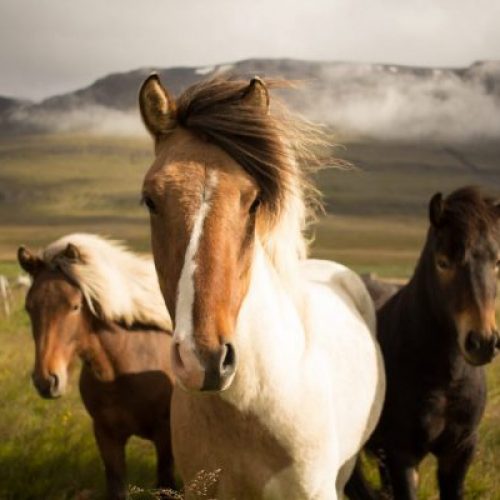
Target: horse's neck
[269, 330]
[96, 352]
[112, 350]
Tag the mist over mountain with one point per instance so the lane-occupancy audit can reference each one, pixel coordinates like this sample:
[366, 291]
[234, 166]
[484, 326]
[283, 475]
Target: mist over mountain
[358, 100]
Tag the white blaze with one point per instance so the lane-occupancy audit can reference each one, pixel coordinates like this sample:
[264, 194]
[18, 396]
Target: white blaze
[185, 293]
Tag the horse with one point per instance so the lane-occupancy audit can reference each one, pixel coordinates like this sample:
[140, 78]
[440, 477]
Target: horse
[436, 334]
[94, 299]
[279, 377]
[380, 290]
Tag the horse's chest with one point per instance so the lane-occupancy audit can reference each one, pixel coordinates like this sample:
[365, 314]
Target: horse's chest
[450, 414]
[433, 416]
[131, 405]
[211, 435]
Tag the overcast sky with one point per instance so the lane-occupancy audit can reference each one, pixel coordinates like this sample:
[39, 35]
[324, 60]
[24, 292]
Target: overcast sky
[53, 46]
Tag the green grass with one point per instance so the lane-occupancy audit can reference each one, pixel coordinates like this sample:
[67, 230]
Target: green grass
[53, 185]
[47, 449]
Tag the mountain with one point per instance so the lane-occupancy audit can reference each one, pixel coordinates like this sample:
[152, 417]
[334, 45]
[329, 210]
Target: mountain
[360, 100]
[10, 111]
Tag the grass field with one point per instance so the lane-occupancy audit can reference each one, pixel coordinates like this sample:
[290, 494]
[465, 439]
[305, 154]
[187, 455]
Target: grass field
[53, 185]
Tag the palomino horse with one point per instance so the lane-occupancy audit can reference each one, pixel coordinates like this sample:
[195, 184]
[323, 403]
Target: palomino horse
[92, 298]
[280, 378]
[435, 335]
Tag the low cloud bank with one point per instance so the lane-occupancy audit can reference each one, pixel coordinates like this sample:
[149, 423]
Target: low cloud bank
[394, 103]
[358, 100]
[98, 120]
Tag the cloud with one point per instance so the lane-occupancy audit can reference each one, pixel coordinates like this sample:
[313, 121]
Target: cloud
[70, 45]
[357, 100]
[400, 103]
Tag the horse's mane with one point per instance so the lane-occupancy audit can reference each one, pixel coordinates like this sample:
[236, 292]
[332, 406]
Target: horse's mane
[278, 150]
[118, 285]
[470, 210]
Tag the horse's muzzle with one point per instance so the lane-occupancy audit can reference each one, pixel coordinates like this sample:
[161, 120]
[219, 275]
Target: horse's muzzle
[220, 368]
[213, 371]
[481, 348]
[48, 388]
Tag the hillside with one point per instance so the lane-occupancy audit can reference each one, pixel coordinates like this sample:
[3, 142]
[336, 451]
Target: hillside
[357, 100]
[376, 213]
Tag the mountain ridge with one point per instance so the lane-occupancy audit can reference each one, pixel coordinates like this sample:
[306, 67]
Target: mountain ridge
[368, 99]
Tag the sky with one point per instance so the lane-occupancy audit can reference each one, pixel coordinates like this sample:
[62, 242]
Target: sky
[49, 47]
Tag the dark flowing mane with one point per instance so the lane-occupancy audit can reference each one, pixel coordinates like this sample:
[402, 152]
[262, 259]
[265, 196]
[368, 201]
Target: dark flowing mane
[470, 214]
[276, 149]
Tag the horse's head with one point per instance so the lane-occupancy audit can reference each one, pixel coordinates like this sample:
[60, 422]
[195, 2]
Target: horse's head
[57, 312]
[464, 241]
[203, 209]
[216, 186]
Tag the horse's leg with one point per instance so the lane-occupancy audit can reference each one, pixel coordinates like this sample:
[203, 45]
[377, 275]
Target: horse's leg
[112, 451]
[385, 481]
[402, 476]
[164, 457]
[357, 487]
[452, 468]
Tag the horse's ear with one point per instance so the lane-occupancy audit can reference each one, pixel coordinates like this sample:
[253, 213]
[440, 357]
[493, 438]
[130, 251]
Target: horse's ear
[72, 253]
[156, 105]
[436, 209]
[257, 94]
[29, 262]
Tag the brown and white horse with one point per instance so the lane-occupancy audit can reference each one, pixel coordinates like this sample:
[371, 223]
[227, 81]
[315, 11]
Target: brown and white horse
[94, 299]
[281, 376]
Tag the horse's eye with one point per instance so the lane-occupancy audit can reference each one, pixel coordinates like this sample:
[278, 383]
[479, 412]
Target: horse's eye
[75, 307]
[254, 206]
[443, 263]
[146, 200]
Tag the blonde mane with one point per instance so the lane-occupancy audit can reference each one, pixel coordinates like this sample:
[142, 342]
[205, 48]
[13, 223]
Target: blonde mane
[277, 149]
[118, 285]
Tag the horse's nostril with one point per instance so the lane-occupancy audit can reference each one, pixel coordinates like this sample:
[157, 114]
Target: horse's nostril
[54, 382]
[228, 358]
[472, 342]
[496, 339]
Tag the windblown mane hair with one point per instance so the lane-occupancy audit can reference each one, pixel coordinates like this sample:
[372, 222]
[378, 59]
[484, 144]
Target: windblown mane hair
[118, 285]
[278, 150]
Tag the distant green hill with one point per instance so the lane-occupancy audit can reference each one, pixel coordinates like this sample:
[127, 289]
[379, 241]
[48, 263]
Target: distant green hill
[376, 213]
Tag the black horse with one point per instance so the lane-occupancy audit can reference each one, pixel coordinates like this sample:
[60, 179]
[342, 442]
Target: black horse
[435, 334]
